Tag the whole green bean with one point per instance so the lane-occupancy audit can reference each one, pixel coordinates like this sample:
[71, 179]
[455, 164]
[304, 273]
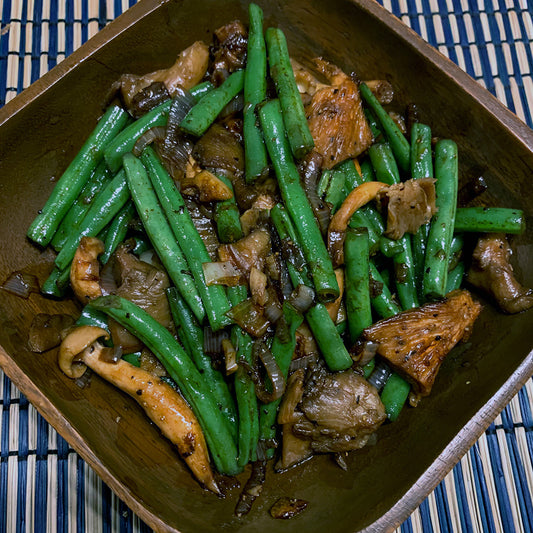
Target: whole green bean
[399, 144]
[442, 223]
[227, 217]
[182, 370]
[200, 90]
[296, 202]
[384, 164]
[490, 220]
[336, 192]
[282, 352]
[69, 186]
[377, 132]
[244, 387]
[421, 167]
[117, 230]
[298, 133]
[125, 141]
[91, 317]
[105, 206]
[328, 339]
[255, 77]
[191, 336]
[57, 282]
[380, 295]
[100, 177]
[160, 234]
[394, 395]
[357, 275]
[204, 113]
[191, 244]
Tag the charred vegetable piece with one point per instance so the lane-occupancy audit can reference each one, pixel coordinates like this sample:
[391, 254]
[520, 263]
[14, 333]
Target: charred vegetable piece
[204, 113]
[164, 406]
[299, 136]
[336, 119]
[492, 272]
[104, 208]
[489, 220]
[213, 297]
[297, 204]
[399, 144]
[415, 342]
[442, 224]
[180, 367]
[255, 81]
[71, 183]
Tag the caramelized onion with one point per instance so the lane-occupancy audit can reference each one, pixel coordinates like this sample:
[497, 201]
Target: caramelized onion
[46, 331]
[222, 273]
[21, 284]
[302, 298]
[252, 489]
[379, 376]
[154, 134]
[249, 317]
[262, 351]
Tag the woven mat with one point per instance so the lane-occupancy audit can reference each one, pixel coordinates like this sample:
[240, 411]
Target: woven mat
[46, 486]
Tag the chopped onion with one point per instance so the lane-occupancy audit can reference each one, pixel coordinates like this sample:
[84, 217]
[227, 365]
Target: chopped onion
[303, 362]
[234, 106]
[302, 298]
[292, 397]
[368, 352]
[252, 489]
[379, 376]
[213, 340]
[249, 317]
[277, 380]
[258, 284]
[230, 356]
[222, 273]
[310, 171]
[21, 284]
[47, 331]
[156, 133]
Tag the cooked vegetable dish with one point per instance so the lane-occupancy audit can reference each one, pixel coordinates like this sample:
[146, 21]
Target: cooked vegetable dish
[267, 259]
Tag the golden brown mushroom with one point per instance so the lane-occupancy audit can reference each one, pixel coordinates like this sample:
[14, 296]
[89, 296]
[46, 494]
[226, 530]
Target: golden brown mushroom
[164, 406]
[85, 269]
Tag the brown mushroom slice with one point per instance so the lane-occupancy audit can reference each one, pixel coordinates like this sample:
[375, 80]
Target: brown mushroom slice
[250, 251]
[187, 71]
[408, 205]
[85, 269]
[336, 118]
[163, 405]
[492, 272]
[415, 342]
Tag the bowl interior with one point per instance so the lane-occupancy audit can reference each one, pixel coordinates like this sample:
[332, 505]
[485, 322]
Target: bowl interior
[41, 134]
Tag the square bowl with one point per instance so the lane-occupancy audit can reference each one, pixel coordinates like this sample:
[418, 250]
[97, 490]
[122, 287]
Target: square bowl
[43, 128]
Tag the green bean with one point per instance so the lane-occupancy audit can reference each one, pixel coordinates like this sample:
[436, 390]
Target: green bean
[227, 217]
[204, 113]
[455, 277]
[105, 206]
[380, 295]
[132, 358]
[182, 370]
[369, 368]
[490, 220]
[255, 76]
[421, 167]
[69, 186]
[100, 177]
[140, 245]
[160, 234]
[399, 144]
[394, 395]
[367, 172]
[57, 282]
[191, 336]
[360, 220]
[456, 251]
[356, 259]
[341, 327]
[298, 133]
[124, 142]
[390, 247]
[322, 326]
[191, 244]
[91, 317]
[118, 230]
[377, 132]
[328, 339]
[296, 202]
[336, 192]
[244, 387]
[282, 352]
[442, 223]
[384, 164]
[323, 182]
[200, 90]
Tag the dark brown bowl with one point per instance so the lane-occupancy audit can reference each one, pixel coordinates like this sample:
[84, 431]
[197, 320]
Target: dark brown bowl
[43, 128]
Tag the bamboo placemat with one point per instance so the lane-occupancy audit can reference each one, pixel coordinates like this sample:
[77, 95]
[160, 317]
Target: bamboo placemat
[46, 486]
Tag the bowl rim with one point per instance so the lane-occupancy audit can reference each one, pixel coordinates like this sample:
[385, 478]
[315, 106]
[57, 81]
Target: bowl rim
[476, 425]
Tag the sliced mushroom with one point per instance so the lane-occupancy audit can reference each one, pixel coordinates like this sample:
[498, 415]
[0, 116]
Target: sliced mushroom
[163, 405]
[85, 269]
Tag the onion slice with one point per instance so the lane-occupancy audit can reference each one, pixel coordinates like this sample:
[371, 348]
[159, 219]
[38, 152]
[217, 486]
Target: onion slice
[21, 284]
[223, 273]
[249, 317]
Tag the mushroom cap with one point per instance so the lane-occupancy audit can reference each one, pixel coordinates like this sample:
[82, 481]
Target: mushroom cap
[73, 345]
